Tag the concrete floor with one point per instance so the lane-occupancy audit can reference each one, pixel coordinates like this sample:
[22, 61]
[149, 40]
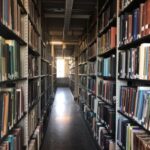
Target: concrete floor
[66, 129]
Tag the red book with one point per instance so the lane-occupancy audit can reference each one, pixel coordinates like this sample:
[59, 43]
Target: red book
[147, 26]
[113, 37]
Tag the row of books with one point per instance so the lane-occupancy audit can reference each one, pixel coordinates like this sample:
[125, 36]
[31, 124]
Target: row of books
[43, 84]
[89, 115]
[106, 115]
[135, 25]
[108, 40]
[108, 14]
[135, 63]
[33, 92]
[45, 68]
[92, 85]
[36, 141]
[45, 53]
[92, 68]
[92, 35]
[13, 141]
[9, 59]
[107, 66]
[32, 66]
[12, 108]
[83, 95]
[90, 101]
[83, 44]
[123, 4]
[92, 51]
[83, 57]
[83, 81]
[10, 16]
[32, 121]
[33, 14]
[131, 136]
[135, 102]
[33, 37]
[107, 91]
[83, 69]
[104, 139]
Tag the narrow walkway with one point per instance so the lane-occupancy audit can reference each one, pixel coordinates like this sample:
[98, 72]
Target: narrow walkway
[66, 129]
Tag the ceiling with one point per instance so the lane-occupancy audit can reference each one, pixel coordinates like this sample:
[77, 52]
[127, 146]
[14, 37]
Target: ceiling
[66, 20]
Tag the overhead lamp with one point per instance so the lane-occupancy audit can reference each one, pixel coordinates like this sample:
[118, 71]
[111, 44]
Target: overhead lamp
[56, 42]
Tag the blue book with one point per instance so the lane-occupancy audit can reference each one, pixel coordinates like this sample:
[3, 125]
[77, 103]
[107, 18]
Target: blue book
[135, 21]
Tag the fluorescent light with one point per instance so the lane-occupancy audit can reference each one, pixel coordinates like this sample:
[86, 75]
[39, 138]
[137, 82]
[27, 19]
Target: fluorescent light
[56, 42]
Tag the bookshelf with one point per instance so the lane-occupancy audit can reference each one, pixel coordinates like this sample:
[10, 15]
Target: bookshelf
[26, 105]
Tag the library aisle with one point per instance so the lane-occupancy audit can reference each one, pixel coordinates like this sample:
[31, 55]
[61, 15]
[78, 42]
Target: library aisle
[66, 129]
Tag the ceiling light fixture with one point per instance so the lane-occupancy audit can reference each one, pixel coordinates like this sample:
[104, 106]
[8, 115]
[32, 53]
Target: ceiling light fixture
[56, 42]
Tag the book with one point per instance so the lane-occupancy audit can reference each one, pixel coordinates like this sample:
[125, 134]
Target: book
[83, 57]
[134, 63]
[92, 50]
[10, 16]
[134, 102]
[135, 24]
[12, 108]
[131, 136]
[83, 69]
[33, 37]
[107, 91]
[13, 141]
[92, 84]
[83, 81]
[90, 101]
[106, 116]
[33, 66]
[107, 66]
[107, 15]
[108, 40]
[33, 92]
[33, 121]
[92, 68]
[9, 60]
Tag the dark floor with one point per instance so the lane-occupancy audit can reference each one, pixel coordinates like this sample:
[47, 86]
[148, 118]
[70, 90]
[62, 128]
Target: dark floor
[66, 129]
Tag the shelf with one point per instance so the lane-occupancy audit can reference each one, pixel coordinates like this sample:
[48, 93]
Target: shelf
[32, 134]
[45, 60]
[134, 80]
[35, 77]
[136, 43]
[110, 23]
[103, 8]
[132, 5]
[11, 130]
[110, 104]
[92, 58]
[83, 50]
[33, 51]
[34, 104]
[92, 25]
[107, 78]
[82, 74]
[15, 80]
[108, 52]
[92, 42]
[134, 121]
[34, 26]
[82, 63]
[120, 146]
[42, 76]
[36, 7]
[8, 33]
[23, 9]
[92, 92]
[92, 75]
